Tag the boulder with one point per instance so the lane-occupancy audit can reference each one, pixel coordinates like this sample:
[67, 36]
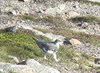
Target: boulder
[75, 41]
[31, 66]
[40, 68]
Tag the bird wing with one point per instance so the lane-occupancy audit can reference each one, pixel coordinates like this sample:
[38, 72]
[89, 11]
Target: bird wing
[49, 46]
[45, 46]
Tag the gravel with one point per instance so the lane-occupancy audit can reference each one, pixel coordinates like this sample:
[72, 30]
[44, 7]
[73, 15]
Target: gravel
[32, 7]
[40, 9]
[88, 49]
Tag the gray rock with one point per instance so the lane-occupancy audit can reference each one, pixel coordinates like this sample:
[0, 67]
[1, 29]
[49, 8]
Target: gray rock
[40, 68]
[31, 67]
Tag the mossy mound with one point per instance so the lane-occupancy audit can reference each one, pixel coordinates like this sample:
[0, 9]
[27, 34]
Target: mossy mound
[21, 45]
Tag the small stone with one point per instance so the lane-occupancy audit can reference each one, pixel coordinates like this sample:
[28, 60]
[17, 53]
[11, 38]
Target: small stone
[25, 0]
[76, 59]
[14, 13]
[85, 25]
[72, 14]
[75, 42]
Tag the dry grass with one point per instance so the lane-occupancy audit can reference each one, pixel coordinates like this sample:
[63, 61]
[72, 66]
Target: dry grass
[85, 19]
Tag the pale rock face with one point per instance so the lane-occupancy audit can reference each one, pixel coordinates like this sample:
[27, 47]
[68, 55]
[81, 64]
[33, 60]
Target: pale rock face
[40, 68]
[75, 42]
[31, 66]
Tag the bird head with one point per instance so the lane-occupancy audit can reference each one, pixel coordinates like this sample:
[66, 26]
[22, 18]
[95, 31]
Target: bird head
[66, 41]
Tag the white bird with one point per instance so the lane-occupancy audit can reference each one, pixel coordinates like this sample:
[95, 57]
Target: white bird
[48, 47]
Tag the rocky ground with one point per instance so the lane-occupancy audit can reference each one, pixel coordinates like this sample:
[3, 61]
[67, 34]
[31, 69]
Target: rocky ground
[55, 19]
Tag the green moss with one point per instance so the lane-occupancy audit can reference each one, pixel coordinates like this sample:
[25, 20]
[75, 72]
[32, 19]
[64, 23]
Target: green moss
[30, 33]
[3, 54]
[20, 45]
[27, 17]
[66, 54]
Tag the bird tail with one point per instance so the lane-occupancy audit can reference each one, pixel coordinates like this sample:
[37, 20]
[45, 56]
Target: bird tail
[34, 38]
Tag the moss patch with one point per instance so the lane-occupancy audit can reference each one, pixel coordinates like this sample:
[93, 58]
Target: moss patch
[47, 19]
[85, 19]
[20, 45]
[43, 30]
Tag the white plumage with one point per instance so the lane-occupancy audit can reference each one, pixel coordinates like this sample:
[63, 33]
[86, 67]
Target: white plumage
[48, 47]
